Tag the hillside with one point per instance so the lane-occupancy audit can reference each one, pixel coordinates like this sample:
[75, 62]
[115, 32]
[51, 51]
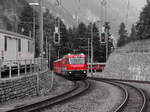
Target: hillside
[130, 62]
[89, 9]
[9, 13]
[85, 9]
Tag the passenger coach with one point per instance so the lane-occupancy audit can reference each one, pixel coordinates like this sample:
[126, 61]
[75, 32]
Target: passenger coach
[71, 66]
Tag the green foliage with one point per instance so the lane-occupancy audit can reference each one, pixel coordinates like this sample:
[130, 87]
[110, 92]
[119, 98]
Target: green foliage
[123, 38]
[64, 48]
[79, 39]
[133, 35]
[143, 25]
[72, 40]
[26, 21]
[48, 26]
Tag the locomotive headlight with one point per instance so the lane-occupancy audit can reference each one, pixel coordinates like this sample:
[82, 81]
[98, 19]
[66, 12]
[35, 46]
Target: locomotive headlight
[70, 72]
[84, 71]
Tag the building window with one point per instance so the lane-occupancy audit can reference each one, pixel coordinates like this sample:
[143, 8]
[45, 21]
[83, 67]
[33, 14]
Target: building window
[28, 46]
[19, 45]
[5, 43]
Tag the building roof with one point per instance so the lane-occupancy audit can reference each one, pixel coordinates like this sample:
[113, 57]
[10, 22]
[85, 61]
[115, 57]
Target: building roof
[15, 34]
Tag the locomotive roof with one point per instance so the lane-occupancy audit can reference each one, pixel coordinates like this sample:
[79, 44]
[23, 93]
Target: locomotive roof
[75, 55]
[15, 34]
[72, 56]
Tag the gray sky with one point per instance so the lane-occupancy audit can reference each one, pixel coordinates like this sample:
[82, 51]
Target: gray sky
[138, 3]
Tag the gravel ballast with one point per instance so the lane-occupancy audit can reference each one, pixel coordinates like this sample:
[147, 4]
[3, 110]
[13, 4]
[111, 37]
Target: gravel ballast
[100, 98]
[146, 88]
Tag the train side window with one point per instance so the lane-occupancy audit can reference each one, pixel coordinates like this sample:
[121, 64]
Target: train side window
[5, 43]
[19, 45]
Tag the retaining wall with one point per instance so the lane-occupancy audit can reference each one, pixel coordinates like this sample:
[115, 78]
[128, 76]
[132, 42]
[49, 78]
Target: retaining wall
[130, 66]
[25, 86]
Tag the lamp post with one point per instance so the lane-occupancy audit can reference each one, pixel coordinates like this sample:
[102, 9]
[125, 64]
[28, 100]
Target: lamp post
[41, 29]
[40, 24]
[34, 4]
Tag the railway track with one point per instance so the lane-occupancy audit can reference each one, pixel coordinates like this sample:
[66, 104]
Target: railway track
[134, 100]
[80, 87]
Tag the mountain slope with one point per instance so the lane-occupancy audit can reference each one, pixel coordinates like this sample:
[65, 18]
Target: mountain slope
[9, 12]
[87, 10]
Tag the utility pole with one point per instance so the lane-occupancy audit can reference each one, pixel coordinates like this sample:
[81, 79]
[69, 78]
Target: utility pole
[49, 56]
[34, 21]
[127, 13]
[107, 28]
[41, 29]
[106, 45]
[92, 49]
[88, 54]
[46, 48]
[34, 30]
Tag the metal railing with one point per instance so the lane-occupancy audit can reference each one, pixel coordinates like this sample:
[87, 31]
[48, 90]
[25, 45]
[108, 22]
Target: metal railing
[16, 68]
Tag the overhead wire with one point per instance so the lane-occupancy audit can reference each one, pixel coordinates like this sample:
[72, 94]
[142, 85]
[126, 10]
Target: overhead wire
[65, 10]
[78, 10]
[127, 13]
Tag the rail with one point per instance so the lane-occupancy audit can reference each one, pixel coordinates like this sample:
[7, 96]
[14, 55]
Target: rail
[16, 68]
[130, 103]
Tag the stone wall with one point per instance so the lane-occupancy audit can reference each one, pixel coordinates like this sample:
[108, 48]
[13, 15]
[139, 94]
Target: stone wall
[131, 62]
[130, 66]
[45, 82]
[18, 88]
[25, 86]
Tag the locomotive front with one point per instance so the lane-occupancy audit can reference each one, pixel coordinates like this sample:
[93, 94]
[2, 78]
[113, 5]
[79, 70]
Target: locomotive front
[77, 66]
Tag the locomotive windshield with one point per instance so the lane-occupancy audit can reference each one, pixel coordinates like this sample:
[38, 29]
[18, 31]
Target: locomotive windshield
[76, 60]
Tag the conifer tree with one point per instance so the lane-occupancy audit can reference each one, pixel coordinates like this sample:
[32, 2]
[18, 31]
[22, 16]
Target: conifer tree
[143, 25]
[133, 34]
[123, 38]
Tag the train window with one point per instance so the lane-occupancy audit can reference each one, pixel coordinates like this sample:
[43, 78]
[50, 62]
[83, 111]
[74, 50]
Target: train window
[19, 45]
[77, 60]
[5, 43]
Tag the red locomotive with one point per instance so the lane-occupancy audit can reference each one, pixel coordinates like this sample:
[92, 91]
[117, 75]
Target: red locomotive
[71, 66]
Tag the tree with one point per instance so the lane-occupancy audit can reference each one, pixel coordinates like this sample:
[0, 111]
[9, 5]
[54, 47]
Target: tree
[71, 35]
[123, 38]
[26, 21]
[133, 33]
[48, 25]
[80, 39]
[63, 39]
[96, 44]
[143, 25]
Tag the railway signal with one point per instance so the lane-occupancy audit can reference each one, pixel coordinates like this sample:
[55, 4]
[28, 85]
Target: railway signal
[56, 38]
[103, 35]
[102, 38]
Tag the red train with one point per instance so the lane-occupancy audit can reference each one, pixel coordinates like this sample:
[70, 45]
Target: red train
[97, 66]
[71, 66]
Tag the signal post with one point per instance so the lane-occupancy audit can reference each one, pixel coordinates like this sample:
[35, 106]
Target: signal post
[56, 35]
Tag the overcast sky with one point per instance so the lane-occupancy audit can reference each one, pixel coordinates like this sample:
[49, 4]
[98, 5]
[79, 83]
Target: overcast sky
[139, 3]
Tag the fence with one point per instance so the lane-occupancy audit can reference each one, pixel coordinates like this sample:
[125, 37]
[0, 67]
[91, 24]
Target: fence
[16, 68]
